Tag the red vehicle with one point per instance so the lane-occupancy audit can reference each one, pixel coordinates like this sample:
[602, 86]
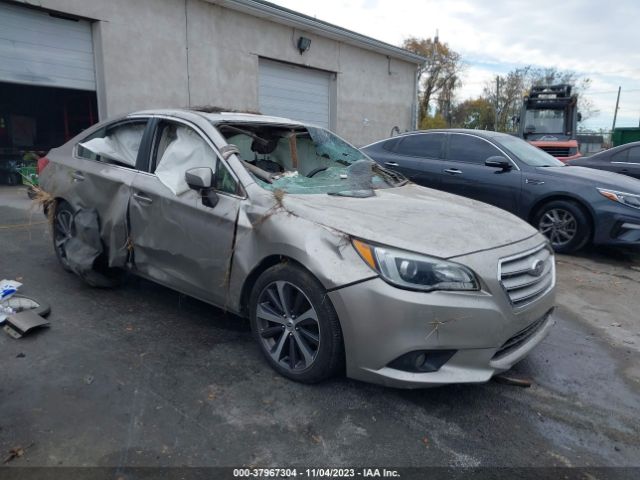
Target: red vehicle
[549, 121]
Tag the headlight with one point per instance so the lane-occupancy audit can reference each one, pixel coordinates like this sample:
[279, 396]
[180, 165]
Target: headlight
[415, 272]
[629, 199]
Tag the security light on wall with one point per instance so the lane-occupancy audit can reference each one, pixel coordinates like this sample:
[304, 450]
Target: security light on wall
[304, 44]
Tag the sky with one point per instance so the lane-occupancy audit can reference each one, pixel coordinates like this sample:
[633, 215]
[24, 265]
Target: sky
[598, 40]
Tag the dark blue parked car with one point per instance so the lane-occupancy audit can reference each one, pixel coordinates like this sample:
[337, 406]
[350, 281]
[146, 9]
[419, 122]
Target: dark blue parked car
[572, 206]
[624, 159]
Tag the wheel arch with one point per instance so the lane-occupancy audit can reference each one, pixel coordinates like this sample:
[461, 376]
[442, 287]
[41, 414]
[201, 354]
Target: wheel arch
[260, 268]
[535, 208]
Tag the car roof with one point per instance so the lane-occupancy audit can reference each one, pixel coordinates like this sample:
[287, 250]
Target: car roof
[469, 131]
[221, 116]
[616, 149]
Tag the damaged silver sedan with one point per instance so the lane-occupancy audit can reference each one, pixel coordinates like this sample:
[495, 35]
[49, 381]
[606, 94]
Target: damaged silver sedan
[338, 263]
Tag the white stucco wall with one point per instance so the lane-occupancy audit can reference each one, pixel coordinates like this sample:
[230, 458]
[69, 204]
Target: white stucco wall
[142, 59]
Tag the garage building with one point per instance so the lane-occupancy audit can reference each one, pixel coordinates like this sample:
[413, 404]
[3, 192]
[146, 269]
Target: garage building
[69, 63]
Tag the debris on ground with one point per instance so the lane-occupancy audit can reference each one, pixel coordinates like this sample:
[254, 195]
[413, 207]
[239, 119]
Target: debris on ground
[19, 324]
[16, 452]
[88, 379]
[510, 379]
[7, 289]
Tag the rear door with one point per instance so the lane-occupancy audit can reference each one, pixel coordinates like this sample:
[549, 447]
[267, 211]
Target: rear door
[178, 240]
[626, 162]
[465, 173]
[103, 169]
[417, 156]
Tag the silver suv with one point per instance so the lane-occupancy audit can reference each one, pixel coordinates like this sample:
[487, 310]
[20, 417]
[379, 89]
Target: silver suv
[337, 262]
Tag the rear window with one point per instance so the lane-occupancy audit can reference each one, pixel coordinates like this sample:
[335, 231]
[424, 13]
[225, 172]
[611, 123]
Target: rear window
[115, 144]
[425, 145]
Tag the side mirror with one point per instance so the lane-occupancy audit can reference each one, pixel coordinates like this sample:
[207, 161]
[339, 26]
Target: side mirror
[498, 162]
[198, 178]
[201, 179]
[579, 116]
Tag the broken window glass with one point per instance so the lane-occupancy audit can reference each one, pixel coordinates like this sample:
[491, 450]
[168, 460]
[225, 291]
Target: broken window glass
[305, 159]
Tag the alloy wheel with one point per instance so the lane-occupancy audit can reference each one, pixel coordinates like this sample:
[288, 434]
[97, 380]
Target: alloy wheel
[62, 231]
[288, 326]
[559, 226]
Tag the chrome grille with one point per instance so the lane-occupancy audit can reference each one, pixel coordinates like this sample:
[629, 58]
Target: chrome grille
[528, 276]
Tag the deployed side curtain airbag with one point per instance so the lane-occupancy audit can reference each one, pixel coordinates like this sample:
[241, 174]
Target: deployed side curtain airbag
[188, 150]
[121, 145]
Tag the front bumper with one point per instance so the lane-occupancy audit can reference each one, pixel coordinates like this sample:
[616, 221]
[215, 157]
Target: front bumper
[381, 323]
[617, 225]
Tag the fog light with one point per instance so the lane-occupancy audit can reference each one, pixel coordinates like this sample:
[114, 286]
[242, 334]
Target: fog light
[421, 361]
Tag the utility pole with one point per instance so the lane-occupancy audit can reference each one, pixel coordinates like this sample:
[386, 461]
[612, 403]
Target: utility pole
[615, 113]
[495, 126]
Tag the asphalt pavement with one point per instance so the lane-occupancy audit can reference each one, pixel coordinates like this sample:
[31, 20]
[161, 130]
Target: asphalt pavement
[143, 376]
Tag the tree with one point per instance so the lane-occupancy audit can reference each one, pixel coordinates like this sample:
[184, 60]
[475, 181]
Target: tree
[435, 121]
[439, 76]
[475, 113]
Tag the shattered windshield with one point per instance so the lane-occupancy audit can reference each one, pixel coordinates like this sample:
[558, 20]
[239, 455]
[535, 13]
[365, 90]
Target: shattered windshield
[306, 159]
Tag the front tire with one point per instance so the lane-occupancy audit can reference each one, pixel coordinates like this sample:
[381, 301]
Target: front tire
[565, 223]
[295, 324]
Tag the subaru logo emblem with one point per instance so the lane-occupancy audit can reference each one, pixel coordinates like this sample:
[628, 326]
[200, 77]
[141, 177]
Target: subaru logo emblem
[536, 268]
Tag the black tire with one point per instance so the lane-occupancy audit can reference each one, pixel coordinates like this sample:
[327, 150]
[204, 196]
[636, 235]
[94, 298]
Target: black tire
[565, 223]
[102, 276]
[328, 353]
[17, 302]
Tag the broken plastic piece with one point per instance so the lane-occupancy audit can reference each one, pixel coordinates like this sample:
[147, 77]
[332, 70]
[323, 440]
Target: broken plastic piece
[19, 324]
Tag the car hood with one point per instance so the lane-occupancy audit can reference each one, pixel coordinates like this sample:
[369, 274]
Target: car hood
[415, 218]
[594, 177]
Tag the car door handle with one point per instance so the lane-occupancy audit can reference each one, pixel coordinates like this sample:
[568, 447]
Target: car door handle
[142, 198]
[77, 176]
[391, 164]
[532, 181]
[452, 171]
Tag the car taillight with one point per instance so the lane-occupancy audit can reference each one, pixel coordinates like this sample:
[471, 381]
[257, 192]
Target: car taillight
[42, 163]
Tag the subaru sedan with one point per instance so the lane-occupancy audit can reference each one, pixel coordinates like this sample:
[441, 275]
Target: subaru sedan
[340, 265]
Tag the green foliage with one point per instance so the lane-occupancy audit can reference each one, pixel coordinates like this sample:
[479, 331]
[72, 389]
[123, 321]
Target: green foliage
[476, 113]
[428, 122]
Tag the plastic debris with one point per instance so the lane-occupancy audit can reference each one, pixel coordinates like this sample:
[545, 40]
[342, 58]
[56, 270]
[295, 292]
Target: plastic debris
[21, 323]
[7, 289]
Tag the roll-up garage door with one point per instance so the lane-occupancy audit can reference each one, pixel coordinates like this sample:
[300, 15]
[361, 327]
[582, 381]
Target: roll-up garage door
[302, 94]
[37, 48]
